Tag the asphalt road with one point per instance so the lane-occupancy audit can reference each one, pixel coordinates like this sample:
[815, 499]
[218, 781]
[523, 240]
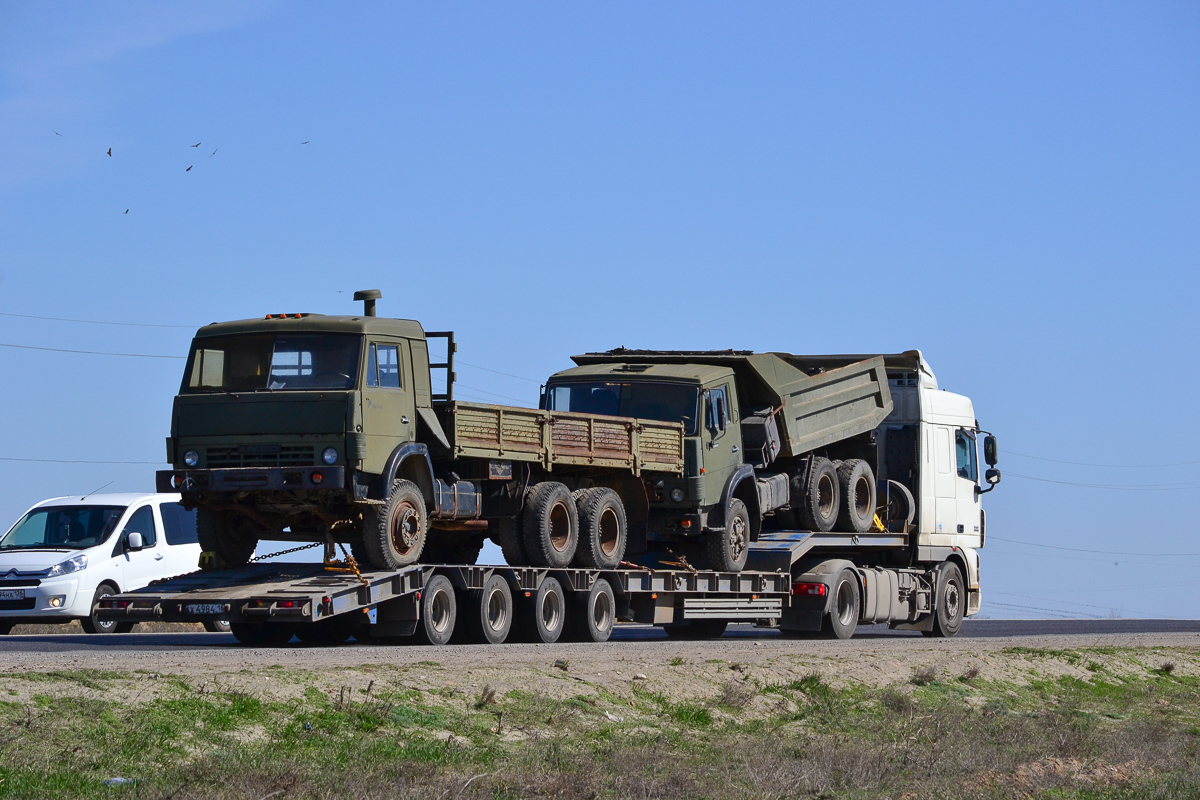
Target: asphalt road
[981, 629]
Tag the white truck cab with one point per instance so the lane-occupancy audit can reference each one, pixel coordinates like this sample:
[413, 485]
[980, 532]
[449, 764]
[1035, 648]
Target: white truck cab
[66, 553]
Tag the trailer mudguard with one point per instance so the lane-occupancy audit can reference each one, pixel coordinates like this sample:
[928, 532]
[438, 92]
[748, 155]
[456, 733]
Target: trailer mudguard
[742, 485]
[409, 461]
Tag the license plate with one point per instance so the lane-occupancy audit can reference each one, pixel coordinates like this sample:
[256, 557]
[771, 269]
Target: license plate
[12, 594]
[204, 608]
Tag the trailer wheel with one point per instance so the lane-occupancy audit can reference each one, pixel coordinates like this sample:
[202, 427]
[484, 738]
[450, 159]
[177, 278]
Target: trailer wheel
[697, 629]
[603, 529]
[394, 533]
[490, 612]
[594, 613]
[439, 610]
[262, 634]
[326, 633]
[842, 617]
[951, 603]
[231, 537]
[543, 617]
[820, 497]
[856, 480]
[729, 549]
[551, 524]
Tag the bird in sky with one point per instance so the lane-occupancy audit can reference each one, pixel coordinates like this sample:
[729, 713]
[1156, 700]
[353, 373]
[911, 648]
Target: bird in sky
[110, 152]
[213, 153]
[304, 143]
[197, 144]
[189, 169]
[56, 133]
[127, 211]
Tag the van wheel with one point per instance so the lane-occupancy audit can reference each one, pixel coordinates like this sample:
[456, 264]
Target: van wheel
[551, 524]
[439, 611]
[842, 618]
[856, 481]
[216, 625]
[603, 530]
[820, 497]
[729, 549]
[951, 603]
[93, 625]
[507, 534]
[394, 533]
[232, 538]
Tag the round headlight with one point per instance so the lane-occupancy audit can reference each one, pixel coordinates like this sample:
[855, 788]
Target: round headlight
[677, 495]
[330, 455]
[191, 458]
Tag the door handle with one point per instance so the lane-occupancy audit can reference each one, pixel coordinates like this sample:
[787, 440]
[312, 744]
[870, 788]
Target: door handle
[734, 448]
[404, 419]
[158, 556]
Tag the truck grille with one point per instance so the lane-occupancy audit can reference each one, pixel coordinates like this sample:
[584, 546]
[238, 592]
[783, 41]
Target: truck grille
[275, 455]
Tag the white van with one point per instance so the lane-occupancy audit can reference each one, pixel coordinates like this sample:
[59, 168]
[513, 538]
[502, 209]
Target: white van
[65, 554]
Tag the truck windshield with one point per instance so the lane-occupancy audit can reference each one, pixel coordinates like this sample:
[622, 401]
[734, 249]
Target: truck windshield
[265, 362]
[666, 402]
[70, 527]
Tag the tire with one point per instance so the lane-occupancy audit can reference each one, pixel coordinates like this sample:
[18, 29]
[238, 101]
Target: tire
[326, 633]
[508, 535]
[901, 507]
[450, 547]
[729, 549]
[841, 620]
[593, 614]
[231, 537]
[216, 625]
[543, 617]
[819, 498]
[394, 533]
[551, 525]
[951, 603]
[490, 611]
[603, 529]
[439, 611]
[358, 551]
[697, 630]
[93, 625]
[856, 482]
[259, 634]
[6, 627]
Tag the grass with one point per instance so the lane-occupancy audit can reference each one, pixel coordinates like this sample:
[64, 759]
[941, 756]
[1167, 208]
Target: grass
[1107, 735]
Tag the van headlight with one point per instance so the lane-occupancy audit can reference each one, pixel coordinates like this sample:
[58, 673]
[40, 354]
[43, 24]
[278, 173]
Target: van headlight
[330, 455]
[73, 564]
[191, 458]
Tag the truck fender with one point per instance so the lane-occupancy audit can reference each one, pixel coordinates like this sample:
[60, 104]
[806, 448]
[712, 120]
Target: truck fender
[409, 461]
[741, 484]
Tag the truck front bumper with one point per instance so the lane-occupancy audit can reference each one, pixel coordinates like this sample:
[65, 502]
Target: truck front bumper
[250, 479]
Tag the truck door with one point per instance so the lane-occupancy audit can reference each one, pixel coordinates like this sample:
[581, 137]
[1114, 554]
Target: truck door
[722, 442]
[945, 482]
[966, 485]
[389, 412]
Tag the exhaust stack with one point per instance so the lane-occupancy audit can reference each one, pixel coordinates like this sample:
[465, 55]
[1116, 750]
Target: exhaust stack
[368, 296]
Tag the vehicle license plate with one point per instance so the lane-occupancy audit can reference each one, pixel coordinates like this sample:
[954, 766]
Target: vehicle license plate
[205, 608]
[12, 594]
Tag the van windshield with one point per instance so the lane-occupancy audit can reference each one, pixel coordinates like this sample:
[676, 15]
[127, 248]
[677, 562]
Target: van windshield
[272, 362]
[70, 527]
[665, 402]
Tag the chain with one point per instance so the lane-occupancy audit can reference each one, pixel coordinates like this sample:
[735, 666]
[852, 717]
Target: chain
[286, 552]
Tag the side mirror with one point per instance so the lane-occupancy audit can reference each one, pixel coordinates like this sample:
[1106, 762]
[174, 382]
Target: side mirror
[134, 541]
[992, 476]
[989, 454]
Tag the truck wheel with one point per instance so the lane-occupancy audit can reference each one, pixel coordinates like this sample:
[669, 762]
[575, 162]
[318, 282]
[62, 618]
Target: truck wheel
[491, 612]
[594, 613]
[842, 618]
[439, 611]
[508, 535]
[93, 625]
[261, 634]
[603, 530]
[819, 498]
[543, 617]
[951, 603]
[551, 524]
[697, 629]
[450, 547]
[856, 480]
[729, 549]
[231, 537]
[394, 533]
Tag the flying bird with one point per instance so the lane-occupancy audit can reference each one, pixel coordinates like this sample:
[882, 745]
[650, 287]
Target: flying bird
[197, 144]
[189, 169]
[110, 152]
[56, 133]
[304, 143]
[127, 211]
[213, 153]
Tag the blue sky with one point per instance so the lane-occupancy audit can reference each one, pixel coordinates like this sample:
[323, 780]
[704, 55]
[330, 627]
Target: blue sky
[1012, 188]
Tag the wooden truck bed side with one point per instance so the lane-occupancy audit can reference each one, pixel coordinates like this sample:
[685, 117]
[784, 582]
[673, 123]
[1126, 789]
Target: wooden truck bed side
[552, 438]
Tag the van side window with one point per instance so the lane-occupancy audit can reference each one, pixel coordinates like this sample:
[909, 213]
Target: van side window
[179, 524]
[372, 367]
[142, 521]
[965, 456]
[389, 366]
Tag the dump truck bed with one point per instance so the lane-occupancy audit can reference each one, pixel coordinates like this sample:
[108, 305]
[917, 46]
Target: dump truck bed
[554, 438]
